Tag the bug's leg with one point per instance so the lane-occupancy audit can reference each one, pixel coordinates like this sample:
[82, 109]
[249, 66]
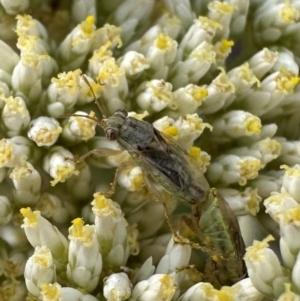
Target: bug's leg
[157, 195]
[193, 274]
[177, 239]
[211, 274]
[113, 185]
[103, 152]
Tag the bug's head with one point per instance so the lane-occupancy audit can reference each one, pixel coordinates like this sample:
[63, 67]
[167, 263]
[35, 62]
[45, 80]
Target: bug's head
[114, 123]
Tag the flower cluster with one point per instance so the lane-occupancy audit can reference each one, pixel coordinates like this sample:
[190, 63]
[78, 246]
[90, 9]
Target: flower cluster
[77, 218]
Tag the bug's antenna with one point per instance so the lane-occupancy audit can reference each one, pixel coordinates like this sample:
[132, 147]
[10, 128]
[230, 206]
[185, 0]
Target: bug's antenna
[95, 98]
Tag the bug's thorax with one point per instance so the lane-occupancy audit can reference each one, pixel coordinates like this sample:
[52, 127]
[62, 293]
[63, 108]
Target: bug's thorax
[131, 134]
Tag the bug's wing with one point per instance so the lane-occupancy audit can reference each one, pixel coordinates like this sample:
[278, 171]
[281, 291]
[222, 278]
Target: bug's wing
[235, 232]
[160, 163]
[172, 147]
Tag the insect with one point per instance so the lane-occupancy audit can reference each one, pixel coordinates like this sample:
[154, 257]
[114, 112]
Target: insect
[165, 163]
[216, 225]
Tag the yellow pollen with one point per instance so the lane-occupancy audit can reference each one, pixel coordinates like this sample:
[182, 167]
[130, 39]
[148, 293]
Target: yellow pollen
[226, 45]
[104, 207]
[68, 80]
[30, 217]
[62, 173]
[110, 73]
[43, 257]
[207, 23]
[223, 7]
[88, 26]
[51, 291]
[199, 94]
[291, 171]
[288, 13]
[163, 41]
[77, 229]
[252, 125]
[171, 131]
[254, 252]
[195, 152]
[6, 151]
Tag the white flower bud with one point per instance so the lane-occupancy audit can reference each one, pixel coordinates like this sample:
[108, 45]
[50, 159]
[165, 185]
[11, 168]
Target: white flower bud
[296, 273]
[44, 131]
[158, 287]
[114, 85]
[228, 169]
[222, 49]
[84, 260]
[26, 77]
[85, 94]
[59, 164]
[286, 59]
[55, 209]
[203, 30]
[56, 292]
[133, 63]
[278, 203]
[130, 15]
[6, 210]
[110, 227]
[221, 12]
[264, 269]
[235, 124]
[194, 67]
[219, 91]
[262, 61]
[247, 291]
[190, 127]
[154, 95]
[15, 151]
[177, 257]
[77, 128]
[242, 202]
[160, 55]
[117, 287]
[63, 92]
[145, 271]
[243, 80]
[288, 295]
[290, 153]
[28, 26]
[131, 178]
[81, 9]
[291, 181]
[267, 183]
[265, 150]
[39, 269]
[9, 59]
[199, 292]
[270, 22]
[40, 232]
[27, 182]
[183, 10]
[186, 100]
[272, 91]
[289, 222]
[73, 50]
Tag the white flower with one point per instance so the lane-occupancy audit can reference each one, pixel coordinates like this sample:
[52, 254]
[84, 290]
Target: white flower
[40, 232]
[84, 260]
[117, 287]
[39, 269]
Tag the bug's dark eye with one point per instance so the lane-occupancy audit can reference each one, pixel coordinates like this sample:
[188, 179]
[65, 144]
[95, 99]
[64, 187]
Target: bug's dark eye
[111, 134]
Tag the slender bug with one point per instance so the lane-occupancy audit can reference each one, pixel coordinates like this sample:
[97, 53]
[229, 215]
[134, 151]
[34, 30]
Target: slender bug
[165, 163]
